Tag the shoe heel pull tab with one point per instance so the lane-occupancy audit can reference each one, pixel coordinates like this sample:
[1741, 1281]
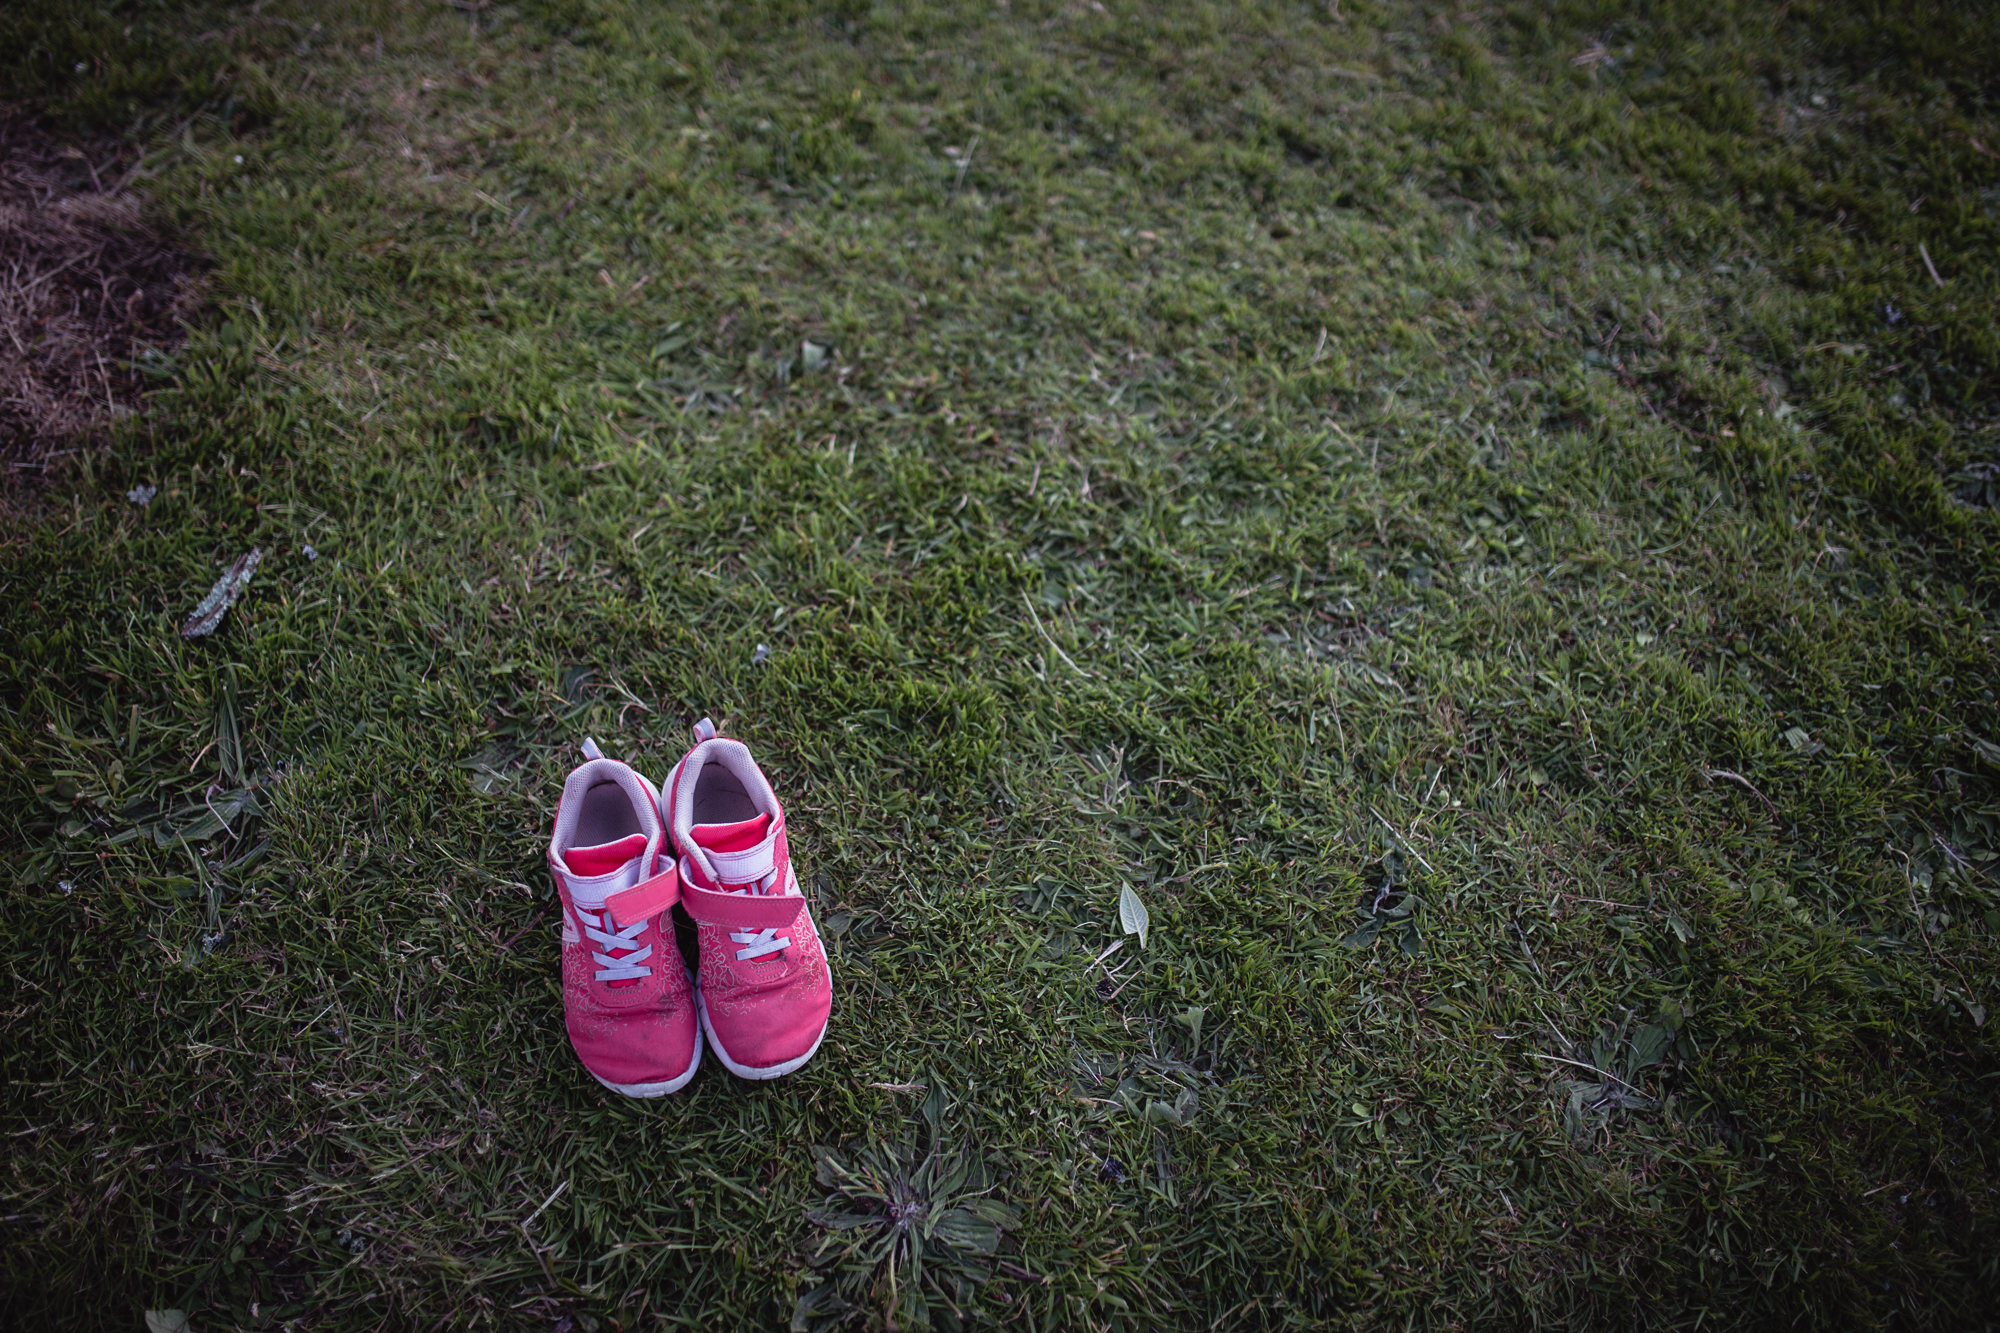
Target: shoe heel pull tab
[704, 730]
[590, 750]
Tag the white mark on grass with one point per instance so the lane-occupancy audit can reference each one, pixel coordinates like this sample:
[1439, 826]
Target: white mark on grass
[1051, 642]
[964, 162]
[544, 1208]
[1109, 949]
[1405, 842]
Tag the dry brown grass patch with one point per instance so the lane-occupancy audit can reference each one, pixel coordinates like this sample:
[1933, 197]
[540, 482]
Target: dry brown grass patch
[86, 282]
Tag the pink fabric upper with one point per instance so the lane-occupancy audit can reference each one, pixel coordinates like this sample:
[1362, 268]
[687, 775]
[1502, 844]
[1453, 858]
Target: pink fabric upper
[639, 1030]
[739, 837]
[763, 1011]
[605, 857]
[643, 1032]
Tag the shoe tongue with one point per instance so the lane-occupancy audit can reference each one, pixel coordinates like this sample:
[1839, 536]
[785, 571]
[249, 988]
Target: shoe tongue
[605, 857]
[731, 837]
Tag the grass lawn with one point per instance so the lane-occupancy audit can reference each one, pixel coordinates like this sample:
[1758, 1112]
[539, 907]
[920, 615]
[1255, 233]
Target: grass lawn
[1483, 520]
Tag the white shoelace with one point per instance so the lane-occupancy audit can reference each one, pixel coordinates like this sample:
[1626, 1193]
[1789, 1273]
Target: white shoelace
[617, 969]
[756, 943]
[761, 942]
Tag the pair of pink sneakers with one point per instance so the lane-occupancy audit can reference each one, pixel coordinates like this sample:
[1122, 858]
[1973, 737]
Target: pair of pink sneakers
[623, 856]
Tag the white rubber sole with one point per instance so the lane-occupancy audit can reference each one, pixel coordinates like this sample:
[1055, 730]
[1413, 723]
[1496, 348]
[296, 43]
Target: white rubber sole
[674, 1084]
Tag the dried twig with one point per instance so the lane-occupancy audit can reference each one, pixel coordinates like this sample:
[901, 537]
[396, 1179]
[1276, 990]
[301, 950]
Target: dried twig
[1604, 1075]
[545, 1203]
[1929, 265]
[964, 162]
[1403, 840]
[1051, 642]
[1713, 773]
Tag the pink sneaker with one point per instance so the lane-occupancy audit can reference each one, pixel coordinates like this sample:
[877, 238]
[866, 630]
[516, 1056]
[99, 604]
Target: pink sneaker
[765, 989]
[627, 996]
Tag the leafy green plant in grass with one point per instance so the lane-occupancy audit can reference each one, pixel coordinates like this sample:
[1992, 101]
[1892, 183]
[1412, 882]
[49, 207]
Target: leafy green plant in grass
[1616, 1064]
[1388, 906]
[910, 1232]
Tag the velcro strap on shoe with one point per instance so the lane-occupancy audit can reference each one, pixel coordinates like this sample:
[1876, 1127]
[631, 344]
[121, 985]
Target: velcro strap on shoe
[742, 911]
[647, 898]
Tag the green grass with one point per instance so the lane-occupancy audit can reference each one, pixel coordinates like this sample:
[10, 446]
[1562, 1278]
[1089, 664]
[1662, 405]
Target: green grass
[1435, 502]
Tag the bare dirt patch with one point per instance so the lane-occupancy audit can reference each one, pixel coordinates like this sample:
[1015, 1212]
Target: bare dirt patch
[86, 283]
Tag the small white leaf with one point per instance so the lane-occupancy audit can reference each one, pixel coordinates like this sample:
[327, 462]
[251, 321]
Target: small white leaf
[167, 1321]
[1132, 914]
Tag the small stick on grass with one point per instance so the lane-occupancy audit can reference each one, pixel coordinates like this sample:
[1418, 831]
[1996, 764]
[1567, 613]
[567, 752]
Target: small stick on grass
[1562, 1060]
[1713, 773]
[1929, 265]
[1053, 644]
[1403, 840]
[544, 1208]
[1530, 955]
[964, 162]
[1109, 949]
